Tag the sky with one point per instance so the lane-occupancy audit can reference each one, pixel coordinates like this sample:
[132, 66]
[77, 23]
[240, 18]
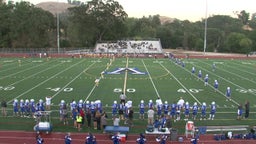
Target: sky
[192, 10]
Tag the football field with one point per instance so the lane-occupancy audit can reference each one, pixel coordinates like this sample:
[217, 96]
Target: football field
[139, 78]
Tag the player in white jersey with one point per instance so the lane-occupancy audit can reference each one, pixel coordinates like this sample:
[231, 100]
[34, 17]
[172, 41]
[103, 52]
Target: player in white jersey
[206, 79]
[228, 94]
[48, 102]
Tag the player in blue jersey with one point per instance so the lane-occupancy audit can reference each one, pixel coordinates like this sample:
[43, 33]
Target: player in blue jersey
[195, 110]
[199, 74]
[166, 108]
[193, 70]
[178, 111]
[41, 105]
[141, 139]
[203, 111]
[186, 112]
[68, 139]
[61, 106]
[80, 105]
[22, 108]
[216, 85]
[142, 109]
[27, 108]
[228, 94]
[114, 109]
[116, 139]
[73, 105]
[159, 108]
[206, 79]
[90, 139]
[162, 139]
[239, 112]
[15, 107]
[87, 106]
[213, 111]
[99, 105]
[150, 104]
[173, 110]
[32, 107]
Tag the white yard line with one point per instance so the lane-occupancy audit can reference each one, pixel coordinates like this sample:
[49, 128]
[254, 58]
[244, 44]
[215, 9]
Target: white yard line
[151, 79]
[34, 75]
[44, 81]
[22, 71]
[242, 69]
[181, 84]
[73, 80]
[226, 81]
[126, 75]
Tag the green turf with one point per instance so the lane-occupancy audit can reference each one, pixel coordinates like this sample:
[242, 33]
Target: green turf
[67, 79]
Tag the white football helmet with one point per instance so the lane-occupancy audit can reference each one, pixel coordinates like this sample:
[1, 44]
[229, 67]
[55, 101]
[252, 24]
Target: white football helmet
[22, 100]
[204, 104]
[80, 101]
[195, 103]
[213, 103]
[150, 101]
[166, 102]
[62, 101]
[228, 87]
[87, 102]
[115, 102]
[187, 103]
[32, 100]
[142, 101]
[15, 100]
[74, 102]
[40, 100]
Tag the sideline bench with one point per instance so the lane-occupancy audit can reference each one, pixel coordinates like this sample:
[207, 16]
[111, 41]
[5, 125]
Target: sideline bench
[205, 129]
[116, 129]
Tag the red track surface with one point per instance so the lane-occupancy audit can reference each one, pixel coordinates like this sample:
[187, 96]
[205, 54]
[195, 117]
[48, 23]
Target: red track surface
[22, 137]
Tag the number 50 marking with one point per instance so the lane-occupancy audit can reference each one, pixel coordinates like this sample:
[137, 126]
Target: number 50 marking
[118, 90]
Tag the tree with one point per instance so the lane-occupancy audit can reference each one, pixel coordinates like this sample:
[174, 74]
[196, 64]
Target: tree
[244, 17]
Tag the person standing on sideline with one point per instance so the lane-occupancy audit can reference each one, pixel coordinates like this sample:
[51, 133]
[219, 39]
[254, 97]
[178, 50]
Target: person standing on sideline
[122, 97]
[239, 112]
[90, 139]
[247, 109]
[115, 138]
[48, 102]
[68, 139]
[151, 116]
[141, 139]
[39, 140]
[4, 106]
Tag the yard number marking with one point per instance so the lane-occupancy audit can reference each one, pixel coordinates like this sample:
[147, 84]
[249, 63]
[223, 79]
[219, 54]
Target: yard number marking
[130, 90]
[193, 90]
[7, 88]
[58, 89]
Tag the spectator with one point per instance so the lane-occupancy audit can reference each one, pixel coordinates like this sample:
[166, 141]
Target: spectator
[89, 118]
[39, 140]
[4, 106]
[90, 139]
[141, 139]
[79, 120]
[97, 117]
[247, 109]
[130, 116]
[68, 139]
[150, 116]
[115, 138]
[103, 121]
[116, 121]
[82, 115]
[194, 140]
[122, 97]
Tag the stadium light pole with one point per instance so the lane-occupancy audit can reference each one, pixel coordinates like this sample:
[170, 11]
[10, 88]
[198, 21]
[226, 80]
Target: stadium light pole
[58, 29]
[205, 25]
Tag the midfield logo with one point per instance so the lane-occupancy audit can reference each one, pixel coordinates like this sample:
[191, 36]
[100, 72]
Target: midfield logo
[130, 70]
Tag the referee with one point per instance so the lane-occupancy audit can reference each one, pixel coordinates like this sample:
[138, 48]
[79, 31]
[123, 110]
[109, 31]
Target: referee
[122, 98]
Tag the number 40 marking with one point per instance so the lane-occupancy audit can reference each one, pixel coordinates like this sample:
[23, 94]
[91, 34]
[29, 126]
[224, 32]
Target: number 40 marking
[58, 89]
[191, 90]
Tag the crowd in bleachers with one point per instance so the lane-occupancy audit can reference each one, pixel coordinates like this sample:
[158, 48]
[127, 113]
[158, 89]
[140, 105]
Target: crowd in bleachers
[126, 46]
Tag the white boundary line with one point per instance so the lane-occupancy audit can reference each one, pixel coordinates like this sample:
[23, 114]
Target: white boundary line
[44, 81]
[181, 84]
[152, 82]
